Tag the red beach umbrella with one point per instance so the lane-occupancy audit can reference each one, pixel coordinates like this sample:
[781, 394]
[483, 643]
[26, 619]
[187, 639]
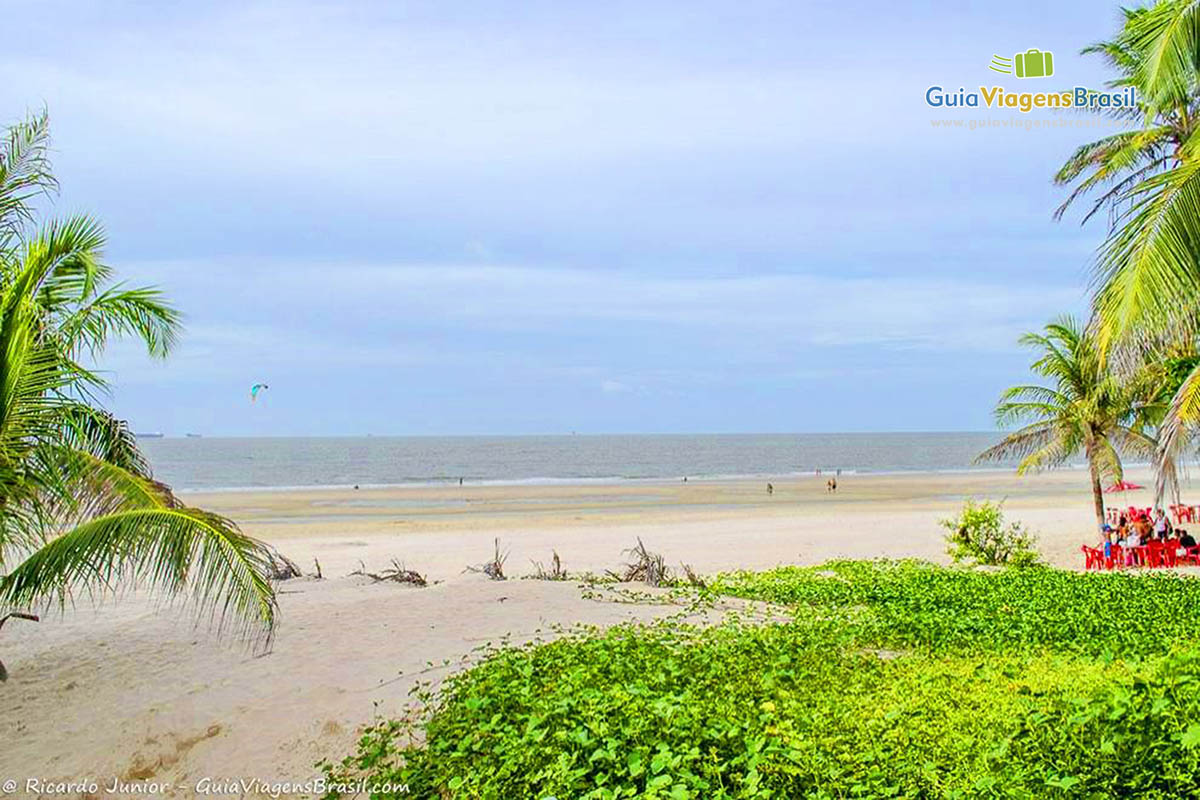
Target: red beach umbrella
[1123, 486]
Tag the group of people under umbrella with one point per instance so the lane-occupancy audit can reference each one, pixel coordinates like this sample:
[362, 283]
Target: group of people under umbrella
[1141, 538]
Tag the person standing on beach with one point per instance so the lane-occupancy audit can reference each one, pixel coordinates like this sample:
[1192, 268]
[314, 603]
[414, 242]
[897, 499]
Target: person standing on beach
[833, 485]
[770, 489]
[1162, 525]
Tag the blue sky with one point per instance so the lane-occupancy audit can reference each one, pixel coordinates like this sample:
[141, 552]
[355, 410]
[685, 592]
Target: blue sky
[415, 218]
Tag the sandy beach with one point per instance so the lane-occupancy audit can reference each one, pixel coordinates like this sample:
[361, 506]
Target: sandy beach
[138, 693]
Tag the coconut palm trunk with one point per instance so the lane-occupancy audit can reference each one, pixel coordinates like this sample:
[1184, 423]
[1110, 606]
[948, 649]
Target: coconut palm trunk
[1097, 490]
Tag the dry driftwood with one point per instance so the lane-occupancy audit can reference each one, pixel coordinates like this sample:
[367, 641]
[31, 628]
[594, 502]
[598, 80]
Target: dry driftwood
[4, 619]
[646, 567]
[494, 569]
[396, 573]
[555, 573]
[282, 567]
[692, 577]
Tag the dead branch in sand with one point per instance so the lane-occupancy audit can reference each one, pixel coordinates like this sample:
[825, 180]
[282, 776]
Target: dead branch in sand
[692, 578]
[646, 567]
[494, 569]
[4, 619]
[555, 573]
[282, 567]
[396, 573]
[317, 564]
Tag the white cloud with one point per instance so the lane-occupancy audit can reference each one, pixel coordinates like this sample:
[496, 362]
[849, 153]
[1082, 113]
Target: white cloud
[368, 313]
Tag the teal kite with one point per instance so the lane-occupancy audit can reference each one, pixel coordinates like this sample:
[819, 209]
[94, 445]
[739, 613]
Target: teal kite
[255, 389]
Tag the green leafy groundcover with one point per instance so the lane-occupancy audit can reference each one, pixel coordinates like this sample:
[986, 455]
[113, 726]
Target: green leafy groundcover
[892, 680]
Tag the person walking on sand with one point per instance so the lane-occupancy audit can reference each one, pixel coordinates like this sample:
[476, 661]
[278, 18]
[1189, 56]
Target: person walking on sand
[770, 489]
[833, 485]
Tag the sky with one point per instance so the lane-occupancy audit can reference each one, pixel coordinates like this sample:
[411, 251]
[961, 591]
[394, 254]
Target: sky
[546, 217]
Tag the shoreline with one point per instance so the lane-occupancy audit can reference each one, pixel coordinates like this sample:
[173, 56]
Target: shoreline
[618, 480]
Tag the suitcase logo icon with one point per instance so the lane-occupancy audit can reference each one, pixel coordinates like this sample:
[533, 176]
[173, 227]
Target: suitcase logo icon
[1033, 63]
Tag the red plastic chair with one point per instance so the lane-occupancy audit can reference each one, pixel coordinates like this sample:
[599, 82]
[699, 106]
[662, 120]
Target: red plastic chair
[1170, 553]
[1093, 558]
[1154, 554]
[1117, 559]
[1192, 555]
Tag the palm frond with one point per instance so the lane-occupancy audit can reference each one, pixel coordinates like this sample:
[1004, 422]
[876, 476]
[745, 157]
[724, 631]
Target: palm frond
[176, 551]
[101, 435]
[1020, 444]
[1167, 37]
[61, 264]
[24, 174]
[1181, 420]
[1150, 259]
[139, 312]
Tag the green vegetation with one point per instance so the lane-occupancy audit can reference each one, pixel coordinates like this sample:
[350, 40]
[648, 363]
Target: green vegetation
[978, 536]
[79, 510]
[888, 680]
[1087, 409]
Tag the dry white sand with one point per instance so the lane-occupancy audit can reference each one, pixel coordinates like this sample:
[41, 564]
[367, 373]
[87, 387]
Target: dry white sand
[130, 691]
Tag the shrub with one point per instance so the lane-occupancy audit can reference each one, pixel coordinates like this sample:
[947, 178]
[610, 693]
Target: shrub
[892, 680]
[978, 535]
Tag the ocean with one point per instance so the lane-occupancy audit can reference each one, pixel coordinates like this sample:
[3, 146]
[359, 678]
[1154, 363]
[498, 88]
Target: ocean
[259, 463]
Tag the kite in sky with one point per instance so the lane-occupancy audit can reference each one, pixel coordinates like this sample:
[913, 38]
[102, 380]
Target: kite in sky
[255, 389]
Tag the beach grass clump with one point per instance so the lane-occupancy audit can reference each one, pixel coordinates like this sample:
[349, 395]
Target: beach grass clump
[493, 567]
[889, 680]
[645, 567]
[555, 572]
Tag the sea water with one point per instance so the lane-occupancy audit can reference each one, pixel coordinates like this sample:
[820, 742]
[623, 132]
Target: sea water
[255, 463]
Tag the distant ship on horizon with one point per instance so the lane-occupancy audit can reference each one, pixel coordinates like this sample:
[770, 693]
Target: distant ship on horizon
[150, 435]
[192, 435]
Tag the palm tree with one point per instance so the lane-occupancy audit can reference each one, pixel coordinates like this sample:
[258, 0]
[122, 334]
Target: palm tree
[79, 510]
[1086, 409]
[1116, 164]
[1147, 301]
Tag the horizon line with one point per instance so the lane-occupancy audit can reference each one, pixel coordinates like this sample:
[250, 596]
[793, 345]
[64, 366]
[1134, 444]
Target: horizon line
[568, 434]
